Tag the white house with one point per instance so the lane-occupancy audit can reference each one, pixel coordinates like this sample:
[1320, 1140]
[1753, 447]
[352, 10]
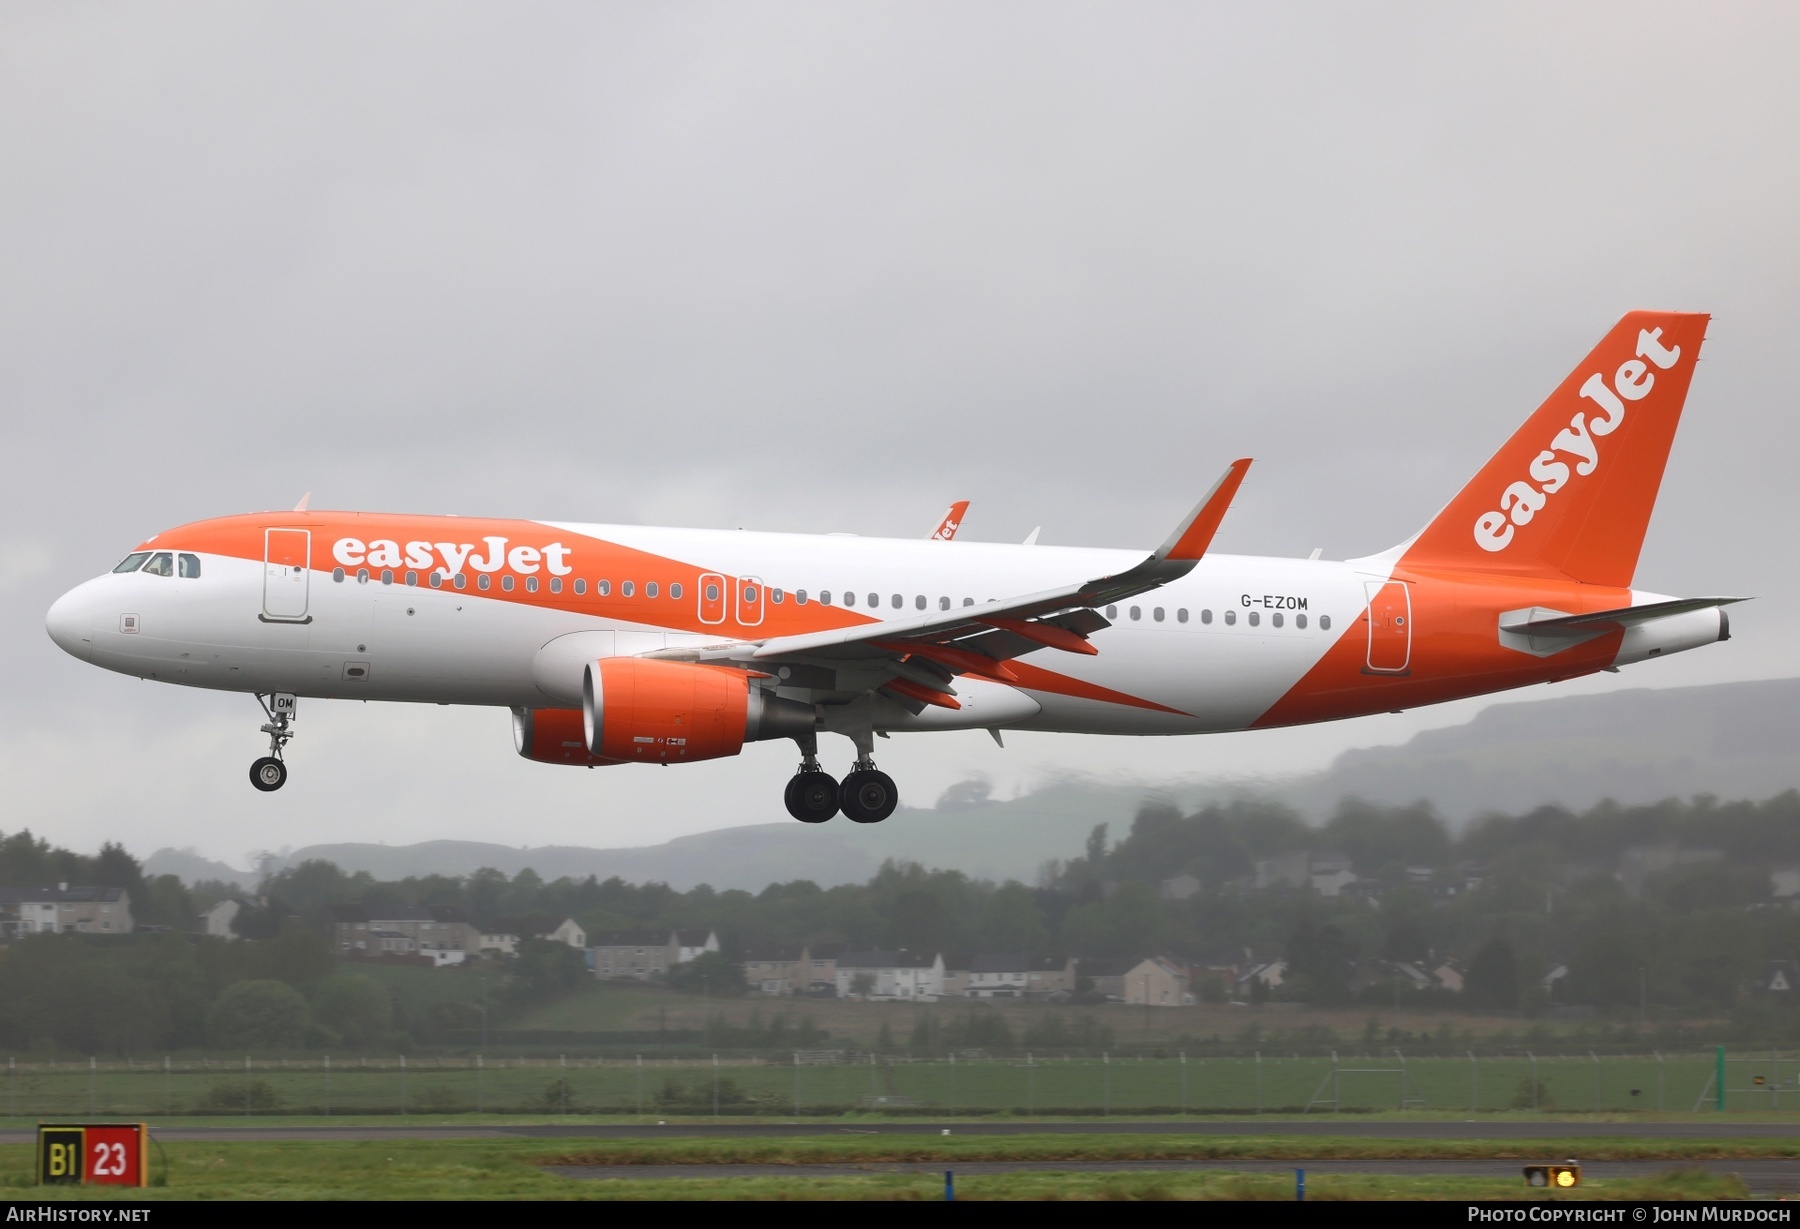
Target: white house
[217, 920]
[890, 975]
[569, 933]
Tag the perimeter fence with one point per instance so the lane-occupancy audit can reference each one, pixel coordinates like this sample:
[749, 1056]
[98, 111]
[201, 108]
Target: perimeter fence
[823, 1082]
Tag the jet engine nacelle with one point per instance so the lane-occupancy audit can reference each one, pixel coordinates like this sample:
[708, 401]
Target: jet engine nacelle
[553, 736]
[668, 712]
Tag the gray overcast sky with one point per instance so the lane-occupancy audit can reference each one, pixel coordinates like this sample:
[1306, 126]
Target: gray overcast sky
[828, 267]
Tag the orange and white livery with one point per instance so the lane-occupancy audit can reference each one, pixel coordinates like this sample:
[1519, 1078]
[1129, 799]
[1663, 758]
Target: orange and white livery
[616, 644]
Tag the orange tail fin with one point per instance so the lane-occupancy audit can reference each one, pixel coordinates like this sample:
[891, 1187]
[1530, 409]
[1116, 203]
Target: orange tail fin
[1570, 493]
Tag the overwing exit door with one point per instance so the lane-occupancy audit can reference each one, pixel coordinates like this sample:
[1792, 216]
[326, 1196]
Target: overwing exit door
[287, 575]
[1390, 626]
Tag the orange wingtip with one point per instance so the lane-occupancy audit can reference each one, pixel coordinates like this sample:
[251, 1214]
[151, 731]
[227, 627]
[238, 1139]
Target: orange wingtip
[1197, 534]
[952, 521]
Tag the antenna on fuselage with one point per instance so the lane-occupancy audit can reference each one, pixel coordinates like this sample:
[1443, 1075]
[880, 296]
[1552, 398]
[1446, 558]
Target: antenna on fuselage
[301, 506]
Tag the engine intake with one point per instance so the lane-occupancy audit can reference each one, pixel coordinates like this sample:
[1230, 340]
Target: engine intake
[637, 709]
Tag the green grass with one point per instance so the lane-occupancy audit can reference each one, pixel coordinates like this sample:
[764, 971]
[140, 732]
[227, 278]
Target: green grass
[1045, 1085]
[512, 1169]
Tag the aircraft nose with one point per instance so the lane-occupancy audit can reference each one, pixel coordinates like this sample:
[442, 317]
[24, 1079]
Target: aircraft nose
[70, 622]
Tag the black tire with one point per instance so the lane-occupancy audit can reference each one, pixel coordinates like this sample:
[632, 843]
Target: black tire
[268, 774]
[868, 796]
[812, 797]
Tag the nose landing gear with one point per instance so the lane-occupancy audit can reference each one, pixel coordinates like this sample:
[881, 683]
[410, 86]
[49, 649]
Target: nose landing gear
[270, 773]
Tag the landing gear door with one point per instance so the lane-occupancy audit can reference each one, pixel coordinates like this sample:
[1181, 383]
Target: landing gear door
[1390, 626]
[287, 575]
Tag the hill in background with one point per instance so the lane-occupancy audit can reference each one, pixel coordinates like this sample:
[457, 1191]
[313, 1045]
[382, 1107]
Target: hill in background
[1734, 740]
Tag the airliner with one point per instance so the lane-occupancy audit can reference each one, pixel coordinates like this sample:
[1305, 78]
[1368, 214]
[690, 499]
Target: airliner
[624, 644]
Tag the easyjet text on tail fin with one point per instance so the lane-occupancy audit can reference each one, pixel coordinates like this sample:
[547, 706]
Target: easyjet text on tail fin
[1570, 493]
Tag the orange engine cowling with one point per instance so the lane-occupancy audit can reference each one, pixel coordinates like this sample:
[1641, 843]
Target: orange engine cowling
[553, 736]
[670, 712]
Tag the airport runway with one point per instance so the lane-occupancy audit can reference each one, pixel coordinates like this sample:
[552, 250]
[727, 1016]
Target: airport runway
[1761, 1176]
[1318, 1126]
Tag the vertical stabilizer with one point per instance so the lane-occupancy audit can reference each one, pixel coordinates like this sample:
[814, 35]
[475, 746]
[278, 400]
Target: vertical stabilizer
[1570, 494]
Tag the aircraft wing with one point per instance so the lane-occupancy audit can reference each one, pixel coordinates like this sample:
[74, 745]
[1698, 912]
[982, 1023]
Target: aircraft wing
[927, 650]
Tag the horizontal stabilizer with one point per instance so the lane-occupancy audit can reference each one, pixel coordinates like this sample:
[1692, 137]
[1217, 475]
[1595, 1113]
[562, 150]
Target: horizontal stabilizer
[1540, 622]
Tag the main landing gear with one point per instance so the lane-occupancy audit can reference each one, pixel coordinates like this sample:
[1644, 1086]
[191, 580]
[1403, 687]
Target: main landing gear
[269, 773]
[866, 796]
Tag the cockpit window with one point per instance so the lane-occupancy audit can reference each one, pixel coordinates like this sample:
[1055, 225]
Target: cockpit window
[190, 566]
[133, 561]
[162, 563]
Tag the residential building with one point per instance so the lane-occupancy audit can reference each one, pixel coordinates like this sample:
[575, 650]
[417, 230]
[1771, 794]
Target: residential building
[403, 930]
[780, 970]
[692, 944]
[643, 954]
[821, 979]
[890, 975]
[1270, 972]
[1107, 977]
[570, 933]
[1157, 982]
[1328, 874]
[1008, 975]
[64, 909]
[217, 920]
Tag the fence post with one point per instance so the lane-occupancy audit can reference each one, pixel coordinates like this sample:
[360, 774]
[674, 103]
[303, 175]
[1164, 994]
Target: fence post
[1259, 1081]
[1659, 1080]
[562, 1079]
[1184, 1083]
[715, 1088]
[1720, 1071]
[1534, 1080]
[328, 1086]
[247, 1109]
[93, 1074]
[1030, 1085]
[168, 1090]
[1474, 1084]
[640, 1080]
[480, 1085]
[796, 1086]
[403, 1086]
[1105, 1083]
[953, 1083]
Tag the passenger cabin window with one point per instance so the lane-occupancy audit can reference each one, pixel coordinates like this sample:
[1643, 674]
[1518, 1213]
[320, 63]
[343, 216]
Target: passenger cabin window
[943, 603]
[825, 597]
[1112, 612]
[581, 587]
[968, 601]
[412, 578]
[1181, 615]
[1157, 614]
[506, 582]
[627, 588]
[556, 584]
[849, 598]
[777, 596]
[1300, 622]
[800, 596]
[1230, 617]
[190, 566]
[481, 581]
[898, 601]
[531, 584]
[650, 589]
[1275, 618]
[1137, 612]
[133, 561]
[162, 563]
[1324, 623]
[1206, 616]
[875, 600]
[919, 602]
[1255, 618]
